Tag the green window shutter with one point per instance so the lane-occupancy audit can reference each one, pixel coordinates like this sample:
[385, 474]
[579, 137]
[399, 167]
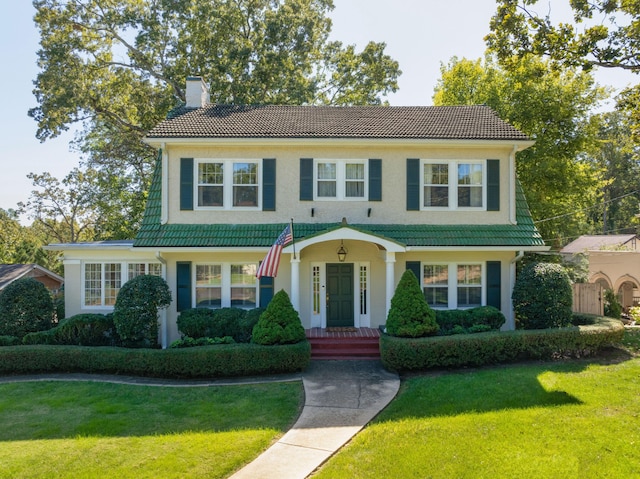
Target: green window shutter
[269, 184]
[266, 290]
[306, 179]
[413, 184]
[183, 285]
[186, 183]
[493, 185]
[415, 267]
[494, 284]
[375, 180]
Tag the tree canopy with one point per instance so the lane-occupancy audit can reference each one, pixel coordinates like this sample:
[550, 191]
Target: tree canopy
[553, 107]
[117, 68]
[604, 33]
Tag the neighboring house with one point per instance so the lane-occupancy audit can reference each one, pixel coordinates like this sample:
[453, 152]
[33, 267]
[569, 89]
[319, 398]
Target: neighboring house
[614, 263]
[431, 189]
[11, 272]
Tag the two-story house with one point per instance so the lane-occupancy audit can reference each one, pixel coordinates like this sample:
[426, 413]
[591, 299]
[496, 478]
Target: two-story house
[371, 190]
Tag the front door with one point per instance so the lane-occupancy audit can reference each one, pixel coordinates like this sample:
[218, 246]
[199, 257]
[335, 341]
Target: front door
[339, 295]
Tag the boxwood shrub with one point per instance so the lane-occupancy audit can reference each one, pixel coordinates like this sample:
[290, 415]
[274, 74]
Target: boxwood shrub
[415, 354]
[464, 321]
[225, 360]
[216, 323]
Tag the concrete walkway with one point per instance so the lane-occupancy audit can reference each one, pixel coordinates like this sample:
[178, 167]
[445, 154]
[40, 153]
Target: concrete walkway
[341, 397]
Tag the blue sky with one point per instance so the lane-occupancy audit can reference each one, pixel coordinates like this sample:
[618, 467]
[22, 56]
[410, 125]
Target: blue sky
[420, 35]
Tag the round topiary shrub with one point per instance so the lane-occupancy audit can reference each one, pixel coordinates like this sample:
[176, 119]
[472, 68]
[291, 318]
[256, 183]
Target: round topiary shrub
[542, 297]
[279, 324]
[410, 316]
[135, 314]
[26, 306]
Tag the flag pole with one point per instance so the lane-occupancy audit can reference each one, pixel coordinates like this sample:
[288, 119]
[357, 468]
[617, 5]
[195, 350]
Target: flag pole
[293, 239]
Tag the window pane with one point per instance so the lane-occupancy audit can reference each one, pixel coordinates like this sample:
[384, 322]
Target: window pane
[210, 196]
[112, 283]
[469, 174]
[469, 296]
[326, 171]
[245, 196]
[437, 174]
[243, 274]
[93, 284]
[435, 283]
[437, 297]
[354, 189]
[436, 274]
[436, 196]
[470, 274]
[243, 297]
[245, 174]
[155, 269]
[136, 269]
[208, 275]
[354, 171]
[210, 173]
[327, 189]
[208, 297]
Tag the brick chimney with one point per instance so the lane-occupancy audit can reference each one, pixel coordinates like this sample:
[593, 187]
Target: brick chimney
[197, 94]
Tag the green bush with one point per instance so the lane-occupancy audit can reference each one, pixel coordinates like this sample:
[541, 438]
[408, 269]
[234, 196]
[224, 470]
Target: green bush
[9, 340]
[416, 354]
[410, 315]
[542, 297]
[634, 314]
[26, 306]
[225, 360]
[136, 310]
[188, 342]
[226, 322]
[86, 330]
[583, 319]
[612, 306]
[195, 322]
[40, 337]
[247, 323]
[58, 304]
[279, 323]
[474, 320]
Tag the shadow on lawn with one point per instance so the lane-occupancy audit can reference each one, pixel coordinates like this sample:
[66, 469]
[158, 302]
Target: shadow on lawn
[489, 389]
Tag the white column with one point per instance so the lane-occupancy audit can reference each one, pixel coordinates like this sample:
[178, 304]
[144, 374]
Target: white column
[295, 282]
[391, 280]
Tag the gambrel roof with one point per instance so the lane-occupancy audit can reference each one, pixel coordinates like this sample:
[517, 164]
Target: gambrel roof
[477, 122]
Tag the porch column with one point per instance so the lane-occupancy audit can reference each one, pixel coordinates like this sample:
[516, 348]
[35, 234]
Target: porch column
[391, 280]
[295, 282]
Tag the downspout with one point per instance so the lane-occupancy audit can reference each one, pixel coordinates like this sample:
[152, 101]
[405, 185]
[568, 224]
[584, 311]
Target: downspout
[511, 322]
[512, 185]
[164, 333]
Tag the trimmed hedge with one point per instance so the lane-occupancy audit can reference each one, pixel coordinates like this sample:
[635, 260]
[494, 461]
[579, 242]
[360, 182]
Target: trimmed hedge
[415, 354]
[214, 323]
[225, 360]
[464, 321]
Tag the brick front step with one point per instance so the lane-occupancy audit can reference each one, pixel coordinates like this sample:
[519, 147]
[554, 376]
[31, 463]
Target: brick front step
[360, 345]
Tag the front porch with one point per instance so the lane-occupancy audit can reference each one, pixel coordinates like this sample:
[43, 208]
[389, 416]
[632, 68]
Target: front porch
[344, 343]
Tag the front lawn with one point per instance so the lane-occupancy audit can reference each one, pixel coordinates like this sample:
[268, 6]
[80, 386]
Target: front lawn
[539, 420]
[98, 430]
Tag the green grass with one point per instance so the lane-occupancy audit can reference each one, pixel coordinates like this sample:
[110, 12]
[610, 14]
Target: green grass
[543, 420]
[631, 340]
[97, 430]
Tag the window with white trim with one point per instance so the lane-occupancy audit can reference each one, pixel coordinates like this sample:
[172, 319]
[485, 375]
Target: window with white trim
[228, 184]
[223, 285]
[453, 184]
[315, 287]
[102, 281]
[340, 179]
[453, 285]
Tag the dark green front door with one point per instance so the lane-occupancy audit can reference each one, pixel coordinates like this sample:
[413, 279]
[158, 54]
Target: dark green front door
[339, 295]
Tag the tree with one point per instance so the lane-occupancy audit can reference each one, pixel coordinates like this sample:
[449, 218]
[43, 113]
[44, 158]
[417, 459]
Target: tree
[117, 68]
[63, 208]
[605, 34]
[410, 316]
[553, 107]
[279, 323]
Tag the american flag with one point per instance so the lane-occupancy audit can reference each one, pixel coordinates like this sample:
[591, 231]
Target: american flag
[269, 266]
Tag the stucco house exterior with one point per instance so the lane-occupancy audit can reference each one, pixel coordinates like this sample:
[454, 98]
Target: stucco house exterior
[432, 189]
[614, 263]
